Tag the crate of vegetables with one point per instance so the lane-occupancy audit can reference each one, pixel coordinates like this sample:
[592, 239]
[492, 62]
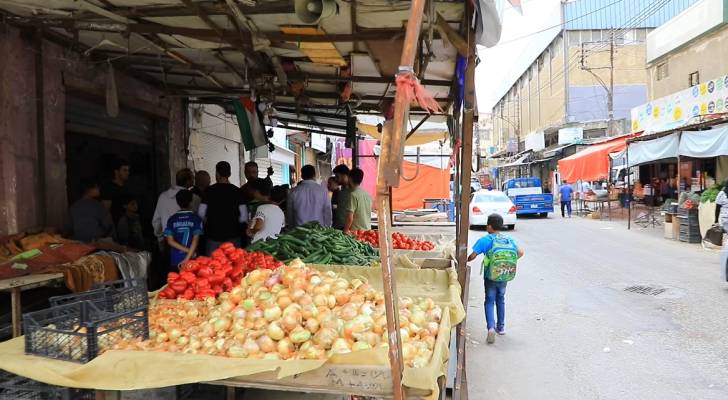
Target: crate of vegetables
[81, 331]
[115, 296]
[14, 387]
[400, 241]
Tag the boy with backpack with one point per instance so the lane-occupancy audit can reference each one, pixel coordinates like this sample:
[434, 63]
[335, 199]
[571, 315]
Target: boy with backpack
[500, 258]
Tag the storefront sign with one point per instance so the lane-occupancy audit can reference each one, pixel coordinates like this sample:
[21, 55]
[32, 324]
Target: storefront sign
[535, 141]
[512, 146]
[318, 142]
[571, 135]
[680, 108]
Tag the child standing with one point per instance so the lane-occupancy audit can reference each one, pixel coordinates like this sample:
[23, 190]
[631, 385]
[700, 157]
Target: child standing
[500, 257]
[269, 218]
[129, 228]
[183, 231]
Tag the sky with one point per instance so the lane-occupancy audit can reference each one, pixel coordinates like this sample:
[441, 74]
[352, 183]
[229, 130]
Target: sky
[519, 45]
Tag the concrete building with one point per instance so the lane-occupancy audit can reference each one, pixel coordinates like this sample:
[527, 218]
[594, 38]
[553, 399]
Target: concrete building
[688, 50]
[567, 84]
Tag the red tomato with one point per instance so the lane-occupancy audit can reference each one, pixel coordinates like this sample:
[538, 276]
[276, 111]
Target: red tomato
[178, 286]
[188, 277]
[169, 293]
[188, 294]
[172, 276]
[204, 272]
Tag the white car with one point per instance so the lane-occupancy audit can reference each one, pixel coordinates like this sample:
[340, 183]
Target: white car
[486, 202]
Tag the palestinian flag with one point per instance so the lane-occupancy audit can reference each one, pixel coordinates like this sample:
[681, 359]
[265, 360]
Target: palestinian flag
[251, 125]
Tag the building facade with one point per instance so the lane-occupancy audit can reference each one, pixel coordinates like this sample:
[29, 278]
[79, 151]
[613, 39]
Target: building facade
[688, 50]
[602, 44]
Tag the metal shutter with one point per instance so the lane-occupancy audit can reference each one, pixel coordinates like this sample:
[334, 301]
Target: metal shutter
[207, 150]
[264, 163]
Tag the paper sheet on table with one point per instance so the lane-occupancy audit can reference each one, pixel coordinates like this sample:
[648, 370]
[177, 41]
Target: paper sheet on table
[129, 370]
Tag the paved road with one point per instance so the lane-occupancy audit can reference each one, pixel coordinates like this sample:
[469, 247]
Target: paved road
[574, 333]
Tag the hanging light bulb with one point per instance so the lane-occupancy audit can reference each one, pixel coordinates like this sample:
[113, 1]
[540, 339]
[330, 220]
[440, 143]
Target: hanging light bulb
[380, 127]
[273, 121]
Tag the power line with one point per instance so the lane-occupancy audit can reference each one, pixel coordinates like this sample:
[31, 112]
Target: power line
[558, 25]
[573, 62]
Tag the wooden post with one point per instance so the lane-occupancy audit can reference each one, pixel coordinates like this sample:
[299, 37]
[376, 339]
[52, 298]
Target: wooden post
[390, 164]
[460, 391]
[16, 311]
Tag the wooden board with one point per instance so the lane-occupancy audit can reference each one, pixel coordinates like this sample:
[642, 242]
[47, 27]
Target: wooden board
[29, 281]
[363, 380]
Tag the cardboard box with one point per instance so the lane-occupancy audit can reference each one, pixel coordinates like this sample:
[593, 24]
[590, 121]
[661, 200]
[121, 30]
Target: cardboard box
[669, 234]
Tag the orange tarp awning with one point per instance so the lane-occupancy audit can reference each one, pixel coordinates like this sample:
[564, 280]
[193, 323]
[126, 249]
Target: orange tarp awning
[592, 163]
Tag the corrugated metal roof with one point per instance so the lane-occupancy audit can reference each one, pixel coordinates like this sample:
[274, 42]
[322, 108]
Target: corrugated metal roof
[608, 14]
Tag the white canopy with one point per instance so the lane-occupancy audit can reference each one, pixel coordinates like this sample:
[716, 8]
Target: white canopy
[704, 144]
[653, 150]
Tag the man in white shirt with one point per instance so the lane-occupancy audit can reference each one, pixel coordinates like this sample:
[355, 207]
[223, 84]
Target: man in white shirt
[309, 201]
[167, 202]
[269, 219]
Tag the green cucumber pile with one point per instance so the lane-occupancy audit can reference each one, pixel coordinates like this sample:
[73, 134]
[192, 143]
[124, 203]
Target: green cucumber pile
[314, 244]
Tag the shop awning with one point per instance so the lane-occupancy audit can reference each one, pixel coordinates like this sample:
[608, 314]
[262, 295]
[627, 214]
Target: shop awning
[653, 150]
[704, 144]
[592, 163]
[519, 161]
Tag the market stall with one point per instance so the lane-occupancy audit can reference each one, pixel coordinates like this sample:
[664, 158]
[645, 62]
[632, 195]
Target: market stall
[346, 62]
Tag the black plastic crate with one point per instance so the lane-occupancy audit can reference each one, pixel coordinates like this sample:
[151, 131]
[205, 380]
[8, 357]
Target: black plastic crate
[687, 212]
[14, 387]
[116, 296]
[81, 331]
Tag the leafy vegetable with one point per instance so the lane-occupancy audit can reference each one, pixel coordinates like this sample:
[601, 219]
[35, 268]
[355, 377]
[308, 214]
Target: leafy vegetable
[709, 195]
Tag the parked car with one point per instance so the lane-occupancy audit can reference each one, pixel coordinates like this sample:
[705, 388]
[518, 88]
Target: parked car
[486, 202]
[528, 196]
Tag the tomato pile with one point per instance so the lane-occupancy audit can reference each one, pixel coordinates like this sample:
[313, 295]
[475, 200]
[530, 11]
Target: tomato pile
[688, 204]
[209, 276]
[399, 241]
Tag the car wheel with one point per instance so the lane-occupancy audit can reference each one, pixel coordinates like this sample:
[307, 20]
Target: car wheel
[511, 227]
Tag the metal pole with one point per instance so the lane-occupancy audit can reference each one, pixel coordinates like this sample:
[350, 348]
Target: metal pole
[629, 191]
[566, 59]
[389, 170]
[610, 123]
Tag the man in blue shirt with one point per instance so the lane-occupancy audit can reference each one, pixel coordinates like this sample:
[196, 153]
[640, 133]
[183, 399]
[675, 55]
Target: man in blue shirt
[565, 192]
[495, 291]
[183, 231]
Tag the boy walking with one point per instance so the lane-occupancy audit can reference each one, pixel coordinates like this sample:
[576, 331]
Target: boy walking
[183, 231]
[500, 257]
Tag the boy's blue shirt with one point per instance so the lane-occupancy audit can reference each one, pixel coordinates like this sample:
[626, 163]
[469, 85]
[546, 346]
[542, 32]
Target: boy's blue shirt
[182, 226]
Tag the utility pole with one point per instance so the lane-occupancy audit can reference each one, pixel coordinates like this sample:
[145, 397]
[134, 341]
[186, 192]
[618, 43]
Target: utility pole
[609, 88]
[610, 105]
[566, 59]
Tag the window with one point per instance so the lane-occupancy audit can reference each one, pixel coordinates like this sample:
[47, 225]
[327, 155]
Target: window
[662, 71]
[491, 198]
[573, 38]
[694, 78]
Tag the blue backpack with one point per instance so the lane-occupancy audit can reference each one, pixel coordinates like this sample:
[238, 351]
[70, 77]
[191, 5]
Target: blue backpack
[501, 260]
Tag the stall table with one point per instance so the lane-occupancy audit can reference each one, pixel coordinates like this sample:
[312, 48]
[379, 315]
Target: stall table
[17, 285]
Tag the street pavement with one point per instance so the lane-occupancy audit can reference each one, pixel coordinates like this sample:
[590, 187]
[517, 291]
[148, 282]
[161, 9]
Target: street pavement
[573, 332]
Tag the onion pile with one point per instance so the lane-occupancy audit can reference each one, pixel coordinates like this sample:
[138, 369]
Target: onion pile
[294, 312]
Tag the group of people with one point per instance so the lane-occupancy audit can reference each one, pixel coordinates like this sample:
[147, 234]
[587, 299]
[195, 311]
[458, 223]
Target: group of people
[195, 217]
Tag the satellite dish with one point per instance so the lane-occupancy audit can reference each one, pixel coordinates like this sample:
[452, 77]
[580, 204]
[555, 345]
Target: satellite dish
[313, 11]
[488, 27]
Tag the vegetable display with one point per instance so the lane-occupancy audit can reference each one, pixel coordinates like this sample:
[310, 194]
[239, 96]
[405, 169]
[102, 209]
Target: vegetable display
[206, 277]
[294, 312]
[709, 195]
[317, 245]
[399, 240]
